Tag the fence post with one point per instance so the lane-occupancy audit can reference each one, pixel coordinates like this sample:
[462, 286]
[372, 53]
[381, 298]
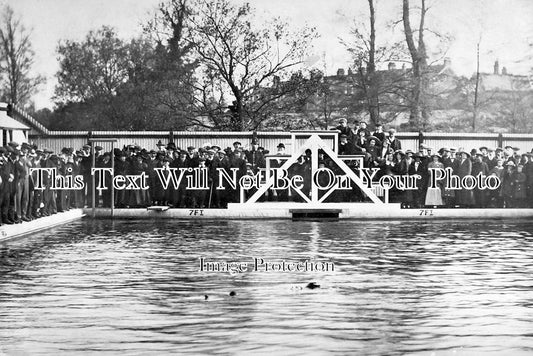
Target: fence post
[171, 136]
[254, 136]
[420, 138]
[500, 140]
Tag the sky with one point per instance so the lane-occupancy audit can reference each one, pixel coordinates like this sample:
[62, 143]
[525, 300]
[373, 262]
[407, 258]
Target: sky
[503, 27]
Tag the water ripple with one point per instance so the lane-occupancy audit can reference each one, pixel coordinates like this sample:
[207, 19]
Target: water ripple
[135, 288]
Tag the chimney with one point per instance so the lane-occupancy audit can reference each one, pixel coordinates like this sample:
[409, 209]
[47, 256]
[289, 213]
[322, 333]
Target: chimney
[504, 71]
[403, 66]
[447, 62]
[496, 67]
[392, 66]
[276, 81]
[340, 72]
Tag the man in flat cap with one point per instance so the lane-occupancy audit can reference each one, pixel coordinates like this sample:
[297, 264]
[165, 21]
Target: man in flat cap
[344, 129]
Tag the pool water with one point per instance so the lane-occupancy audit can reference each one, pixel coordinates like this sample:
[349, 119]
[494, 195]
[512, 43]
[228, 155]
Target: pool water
[136, 288]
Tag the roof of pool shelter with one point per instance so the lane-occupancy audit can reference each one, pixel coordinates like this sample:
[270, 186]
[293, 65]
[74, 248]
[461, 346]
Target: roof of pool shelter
[7, 123]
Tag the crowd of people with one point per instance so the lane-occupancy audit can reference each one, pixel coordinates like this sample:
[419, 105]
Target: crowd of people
[383, 150]
[21, 201]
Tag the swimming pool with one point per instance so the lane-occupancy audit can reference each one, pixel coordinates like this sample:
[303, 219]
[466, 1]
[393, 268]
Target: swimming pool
[396, 287]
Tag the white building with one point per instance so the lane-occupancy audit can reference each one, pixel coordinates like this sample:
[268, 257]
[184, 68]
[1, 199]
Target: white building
[12, 130]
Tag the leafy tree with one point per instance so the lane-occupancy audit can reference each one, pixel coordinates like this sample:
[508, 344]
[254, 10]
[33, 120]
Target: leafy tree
[171, 82]
[107, 83]
[93, 68]
[16, 60]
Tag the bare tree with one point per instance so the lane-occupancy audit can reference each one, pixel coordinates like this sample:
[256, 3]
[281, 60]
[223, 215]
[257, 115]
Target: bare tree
[246, 58]
[418, 116]
[16, 59]
[377, 90]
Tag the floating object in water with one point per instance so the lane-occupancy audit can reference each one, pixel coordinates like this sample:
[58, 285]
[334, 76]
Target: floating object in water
[232, 294]
[206, 297]
[312, 285]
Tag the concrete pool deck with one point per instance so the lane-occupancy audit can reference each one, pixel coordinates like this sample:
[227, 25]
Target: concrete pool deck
[277, 210]
[8, 232]
[341, 211]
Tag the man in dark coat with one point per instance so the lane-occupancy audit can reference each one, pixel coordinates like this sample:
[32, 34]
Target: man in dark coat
[451, 161]
[50, 204]
[255, 157]
[237, 161]
[480, 167]
[121, 168]
[179, 197]
[344, 129]
[362, 127]
[105, 162]
[379, 134]
[392, 144]
[464, 197]
[419, 167]
[528, 170]
[85, 170]
[224, 164]
[151, 164]
[346, 147]
[6, 177]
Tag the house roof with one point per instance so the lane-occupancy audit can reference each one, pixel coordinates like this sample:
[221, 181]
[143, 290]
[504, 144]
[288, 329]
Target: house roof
[10, 124]
[504, 82]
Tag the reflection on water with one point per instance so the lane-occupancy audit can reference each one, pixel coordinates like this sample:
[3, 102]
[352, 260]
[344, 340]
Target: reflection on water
[401, 287]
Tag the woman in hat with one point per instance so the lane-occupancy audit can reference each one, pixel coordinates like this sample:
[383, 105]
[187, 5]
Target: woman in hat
[434, 195]
[373, 150]
[397, 158]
